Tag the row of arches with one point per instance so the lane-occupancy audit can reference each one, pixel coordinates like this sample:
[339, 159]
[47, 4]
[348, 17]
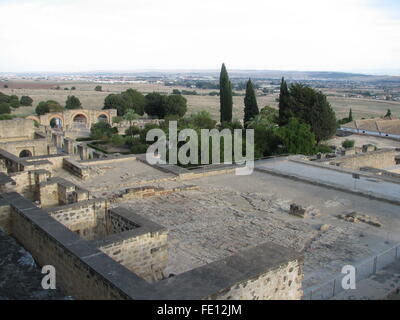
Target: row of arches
[80, 121]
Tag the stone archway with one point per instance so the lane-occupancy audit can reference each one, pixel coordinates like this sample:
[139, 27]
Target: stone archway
[25, 154]
[80, 121]
[56, 122]
[102, 118]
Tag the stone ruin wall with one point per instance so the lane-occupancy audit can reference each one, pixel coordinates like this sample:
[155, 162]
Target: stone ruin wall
[283, 283]
[265, 272]
[16, 129]
[378, 159]
[86, 218]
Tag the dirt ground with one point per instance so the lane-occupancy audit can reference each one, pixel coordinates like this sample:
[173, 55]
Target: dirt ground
[361, 140]
[362, 108]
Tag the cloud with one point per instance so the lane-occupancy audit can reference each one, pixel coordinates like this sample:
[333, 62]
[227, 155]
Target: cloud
[81, 35]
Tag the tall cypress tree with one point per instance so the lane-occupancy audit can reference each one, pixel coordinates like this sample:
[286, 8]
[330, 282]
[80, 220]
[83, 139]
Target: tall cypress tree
[250, 103]
[351, 115]
[285, 112]
[226, 102]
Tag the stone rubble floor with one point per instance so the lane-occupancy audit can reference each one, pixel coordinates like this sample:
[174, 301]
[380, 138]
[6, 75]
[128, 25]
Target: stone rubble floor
[229, 214]
[105, 177]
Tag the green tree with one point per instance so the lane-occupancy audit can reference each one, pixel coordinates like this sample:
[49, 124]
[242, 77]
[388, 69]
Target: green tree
[134, 100]
[176, 105]
[250, 103]
[226, 102]
[285, 112]
[313, 108]
[117, 140]
[73, 103]
[131, 116]
[132, 131]
[4, 108]
[4, 98]
[42, 108]
[388, 114]
[117, 120]
[116, 101]
[350, 115]
[98, 88]
[102, 131]
[155, 105]
[297, 138]
[200, 120]
[26, 101]
[54, 106]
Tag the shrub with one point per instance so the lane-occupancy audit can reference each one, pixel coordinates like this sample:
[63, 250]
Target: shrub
[139, 148]
[132, 131]
[117, 140]
[26, 101]
[102, 131]
[347, 144]
[323, 148]
[4, 108]
[6, 117]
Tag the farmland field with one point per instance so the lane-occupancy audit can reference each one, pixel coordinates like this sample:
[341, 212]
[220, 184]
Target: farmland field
[90, 99]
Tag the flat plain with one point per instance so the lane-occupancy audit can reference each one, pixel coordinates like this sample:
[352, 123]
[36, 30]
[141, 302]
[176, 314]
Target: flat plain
[91, 99]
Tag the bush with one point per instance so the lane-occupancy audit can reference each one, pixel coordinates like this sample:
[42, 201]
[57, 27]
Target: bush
[73, 103]
[347, 144]
[6, 117]
[42, 108]
[4, 108]
[323, 148]
[98, 88]
[132, 131]
[26, 101]
[139, 148]
[117, 140]
[102, 131]
[14, 102]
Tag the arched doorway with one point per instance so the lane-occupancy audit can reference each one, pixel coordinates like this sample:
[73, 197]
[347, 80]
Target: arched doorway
[102, 118]
[25, 154]
[56, 123]
[80, 121]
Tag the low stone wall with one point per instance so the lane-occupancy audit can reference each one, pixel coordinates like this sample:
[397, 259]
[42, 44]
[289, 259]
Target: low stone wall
[83, 271]
[148, 191]
[58, 191]
[76, 168]
[5, 217]
[378, 159]
[141, 245]
[268, 271]
[86, 218]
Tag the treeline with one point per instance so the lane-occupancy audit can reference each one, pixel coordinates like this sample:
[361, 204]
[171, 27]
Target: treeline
[9, 102]
[155, 105]
[304, 118]
[44, 107]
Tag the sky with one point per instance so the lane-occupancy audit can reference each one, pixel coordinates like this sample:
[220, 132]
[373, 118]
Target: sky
[127, 35]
